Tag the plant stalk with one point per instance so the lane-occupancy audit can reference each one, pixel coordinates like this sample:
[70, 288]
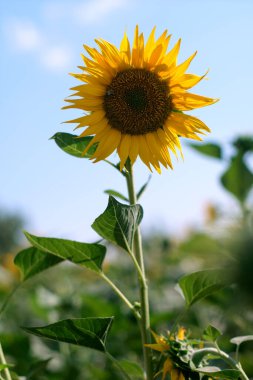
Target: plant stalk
[3, 361]
[143, 287]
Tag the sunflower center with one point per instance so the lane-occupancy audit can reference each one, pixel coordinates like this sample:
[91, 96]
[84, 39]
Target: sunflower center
[137, 102]
[136, 99]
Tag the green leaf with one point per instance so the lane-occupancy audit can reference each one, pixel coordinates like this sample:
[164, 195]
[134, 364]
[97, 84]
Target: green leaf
[238, 179]
[74, 145]
[31, 261]
[86, 332]
[118, 223]
[143, 188]
[211, 333]
[215, 372]
[240, 339]
[209, 149]
[244, 144]
[116, 194]
[133, 369]
[198, 285]
[90, 256]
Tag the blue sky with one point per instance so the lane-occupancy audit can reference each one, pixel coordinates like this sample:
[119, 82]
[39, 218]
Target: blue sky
[41, 42]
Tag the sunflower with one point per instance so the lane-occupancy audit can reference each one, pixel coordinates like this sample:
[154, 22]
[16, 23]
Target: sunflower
[134, 100]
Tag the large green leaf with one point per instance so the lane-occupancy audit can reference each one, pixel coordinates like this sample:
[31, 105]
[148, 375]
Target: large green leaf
[198, 285]
[86, 332]
[118, 223]
[32, 261]
[238, 179]
[74, 145]
[209, 149]
[88, 255]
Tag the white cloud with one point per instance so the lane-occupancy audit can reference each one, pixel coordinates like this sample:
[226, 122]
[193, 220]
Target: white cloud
[82, 11]
[56, 58]
[96, 10]
[25, 37]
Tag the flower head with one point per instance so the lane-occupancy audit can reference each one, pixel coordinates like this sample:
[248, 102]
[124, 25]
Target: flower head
[134, 100]
[175, 351]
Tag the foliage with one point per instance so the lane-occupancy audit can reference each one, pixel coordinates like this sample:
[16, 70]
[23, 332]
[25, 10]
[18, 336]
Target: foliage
[190, 285]
[237, 177]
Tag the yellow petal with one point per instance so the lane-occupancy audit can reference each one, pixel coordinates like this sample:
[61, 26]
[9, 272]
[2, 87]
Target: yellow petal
[161, 140]
[125, 49]
[157, 347]
[96, 128]
[186, 81]
[85, 104]
[144, 151]
[186, 101]
[98, 73]
[124, 148]
[186, 125]
[158, 338]
[175, 374]
[107, 144]
[90, 89]
[165, 47]
[110, 52]
[162, 38]
[171, 58]
[155, 55]
[98, 137]
[180, 69]
[93, 118]
[153, 159]
[134, 149]
[135, 49]
[181, 333]
[167, 368]
[155, 147]
[150, 43]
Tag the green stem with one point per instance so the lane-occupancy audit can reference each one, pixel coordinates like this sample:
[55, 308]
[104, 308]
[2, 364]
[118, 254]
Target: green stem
[8, 298]
[137, 265]
[3, 361]
[143, 287]
[120, 294]
[233, 364]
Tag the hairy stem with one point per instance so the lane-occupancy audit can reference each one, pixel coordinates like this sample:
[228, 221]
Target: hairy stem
[143, 288]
